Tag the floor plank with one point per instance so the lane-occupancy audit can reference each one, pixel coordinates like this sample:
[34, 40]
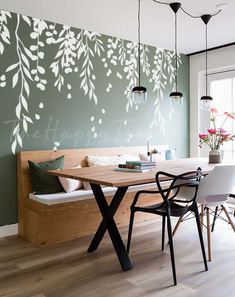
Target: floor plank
[67, 270]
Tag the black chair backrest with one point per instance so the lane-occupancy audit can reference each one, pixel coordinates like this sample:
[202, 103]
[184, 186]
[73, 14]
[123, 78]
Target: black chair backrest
[177, 182]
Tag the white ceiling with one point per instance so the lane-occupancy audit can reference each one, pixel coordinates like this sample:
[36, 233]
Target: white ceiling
[119, 18]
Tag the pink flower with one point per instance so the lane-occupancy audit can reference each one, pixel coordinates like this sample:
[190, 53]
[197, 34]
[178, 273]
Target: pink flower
[214, 110]
[222, 130]
[203, 136]
[229, 115]
[216, 136]
[212, 131]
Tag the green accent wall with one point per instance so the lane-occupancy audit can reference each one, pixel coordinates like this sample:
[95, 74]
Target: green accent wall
[68, 88]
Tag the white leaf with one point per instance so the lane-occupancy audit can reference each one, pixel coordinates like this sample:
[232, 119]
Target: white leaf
[24, 103]
[55, 68]
[19, 139]
[26, 19]
[80, 51]
[15, 79]
[25, 60]
[25, 125]
[16, 129]
[83, 82]
[33, 47]
[95, 99]
[26, 86]
[13, 66]
[7, 33]
[59, 86]
[85, 88]
[28, 119]
[4, 37]
[41, 69]
[90, 94]
[18, 110]
[7, 13]
[28, 52]
[26, 71]
[13, 147]
[58, 54]
[1, 48]
[41, 55]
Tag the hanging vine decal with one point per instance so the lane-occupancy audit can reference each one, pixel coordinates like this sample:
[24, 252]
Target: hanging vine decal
[163, 64]
[4, 32]
[21, 76]
[64, 59]
[38, 28]
[86, 39]
[76, 52]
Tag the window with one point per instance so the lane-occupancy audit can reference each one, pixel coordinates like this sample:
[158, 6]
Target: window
[222, 89]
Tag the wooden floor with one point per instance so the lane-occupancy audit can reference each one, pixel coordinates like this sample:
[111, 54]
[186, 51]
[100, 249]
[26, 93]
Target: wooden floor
[66, 270]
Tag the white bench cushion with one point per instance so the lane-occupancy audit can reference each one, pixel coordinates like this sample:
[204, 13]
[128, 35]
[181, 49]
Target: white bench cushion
[63, 197]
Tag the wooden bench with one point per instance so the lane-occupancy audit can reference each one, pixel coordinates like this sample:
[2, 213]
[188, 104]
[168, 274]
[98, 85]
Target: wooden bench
[44, 224]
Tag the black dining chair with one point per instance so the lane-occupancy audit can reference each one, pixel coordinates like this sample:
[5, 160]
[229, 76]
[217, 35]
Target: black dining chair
[173, 204]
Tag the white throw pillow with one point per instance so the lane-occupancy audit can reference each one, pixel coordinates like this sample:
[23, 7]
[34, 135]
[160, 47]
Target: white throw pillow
[70, 184]
[160, 156]
[94, 160]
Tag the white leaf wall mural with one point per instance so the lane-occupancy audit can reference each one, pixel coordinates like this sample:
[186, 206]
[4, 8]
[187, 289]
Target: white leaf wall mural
[4, 32]
[61, 57]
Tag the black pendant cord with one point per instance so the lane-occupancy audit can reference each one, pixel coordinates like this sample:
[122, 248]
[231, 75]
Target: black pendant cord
[176, 55]
[198, 16]
[206, 59]
[139, 40]
[189, 14]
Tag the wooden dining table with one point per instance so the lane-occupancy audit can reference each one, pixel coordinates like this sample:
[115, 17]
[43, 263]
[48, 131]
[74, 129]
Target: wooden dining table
[107, 176]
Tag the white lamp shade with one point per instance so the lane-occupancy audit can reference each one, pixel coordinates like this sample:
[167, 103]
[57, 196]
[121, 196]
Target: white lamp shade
[206, 103]
[139, 95]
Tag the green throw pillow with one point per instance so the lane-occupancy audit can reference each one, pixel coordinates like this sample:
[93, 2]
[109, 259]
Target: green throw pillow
[44, 183]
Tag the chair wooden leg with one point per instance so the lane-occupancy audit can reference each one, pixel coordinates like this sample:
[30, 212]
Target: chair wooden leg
[228, 217]
[202, 215]
[208, 233]
[177, 226]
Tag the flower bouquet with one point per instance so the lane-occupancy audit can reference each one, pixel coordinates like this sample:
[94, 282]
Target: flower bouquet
[215, 137]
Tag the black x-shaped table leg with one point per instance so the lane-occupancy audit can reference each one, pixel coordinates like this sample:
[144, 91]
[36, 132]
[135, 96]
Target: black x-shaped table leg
[108, 223]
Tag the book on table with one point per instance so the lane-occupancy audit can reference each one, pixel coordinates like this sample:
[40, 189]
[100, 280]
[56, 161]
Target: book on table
[136, 166]
[132, 169]
[141, 163]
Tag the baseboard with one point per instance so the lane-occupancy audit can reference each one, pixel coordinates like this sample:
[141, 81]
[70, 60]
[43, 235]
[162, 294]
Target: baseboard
[8, 230]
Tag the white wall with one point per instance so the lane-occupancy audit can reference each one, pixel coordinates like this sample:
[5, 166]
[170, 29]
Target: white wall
[218, 60]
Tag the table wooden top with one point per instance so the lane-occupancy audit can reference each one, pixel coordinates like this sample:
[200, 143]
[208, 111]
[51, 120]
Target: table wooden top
[106, 175]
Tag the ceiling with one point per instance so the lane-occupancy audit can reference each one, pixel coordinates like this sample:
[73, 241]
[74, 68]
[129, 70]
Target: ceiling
[119, 18]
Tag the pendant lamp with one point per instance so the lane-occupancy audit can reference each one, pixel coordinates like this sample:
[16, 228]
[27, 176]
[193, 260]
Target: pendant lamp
[139, 93]
[176, 96]
[206, 99]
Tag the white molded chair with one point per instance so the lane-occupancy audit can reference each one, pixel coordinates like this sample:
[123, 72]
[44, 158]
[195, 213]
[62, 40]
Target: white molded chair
[213, 191]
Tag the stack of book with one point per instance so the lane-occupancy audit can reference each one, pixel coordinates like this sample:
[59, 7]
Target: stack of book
[136, 166]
